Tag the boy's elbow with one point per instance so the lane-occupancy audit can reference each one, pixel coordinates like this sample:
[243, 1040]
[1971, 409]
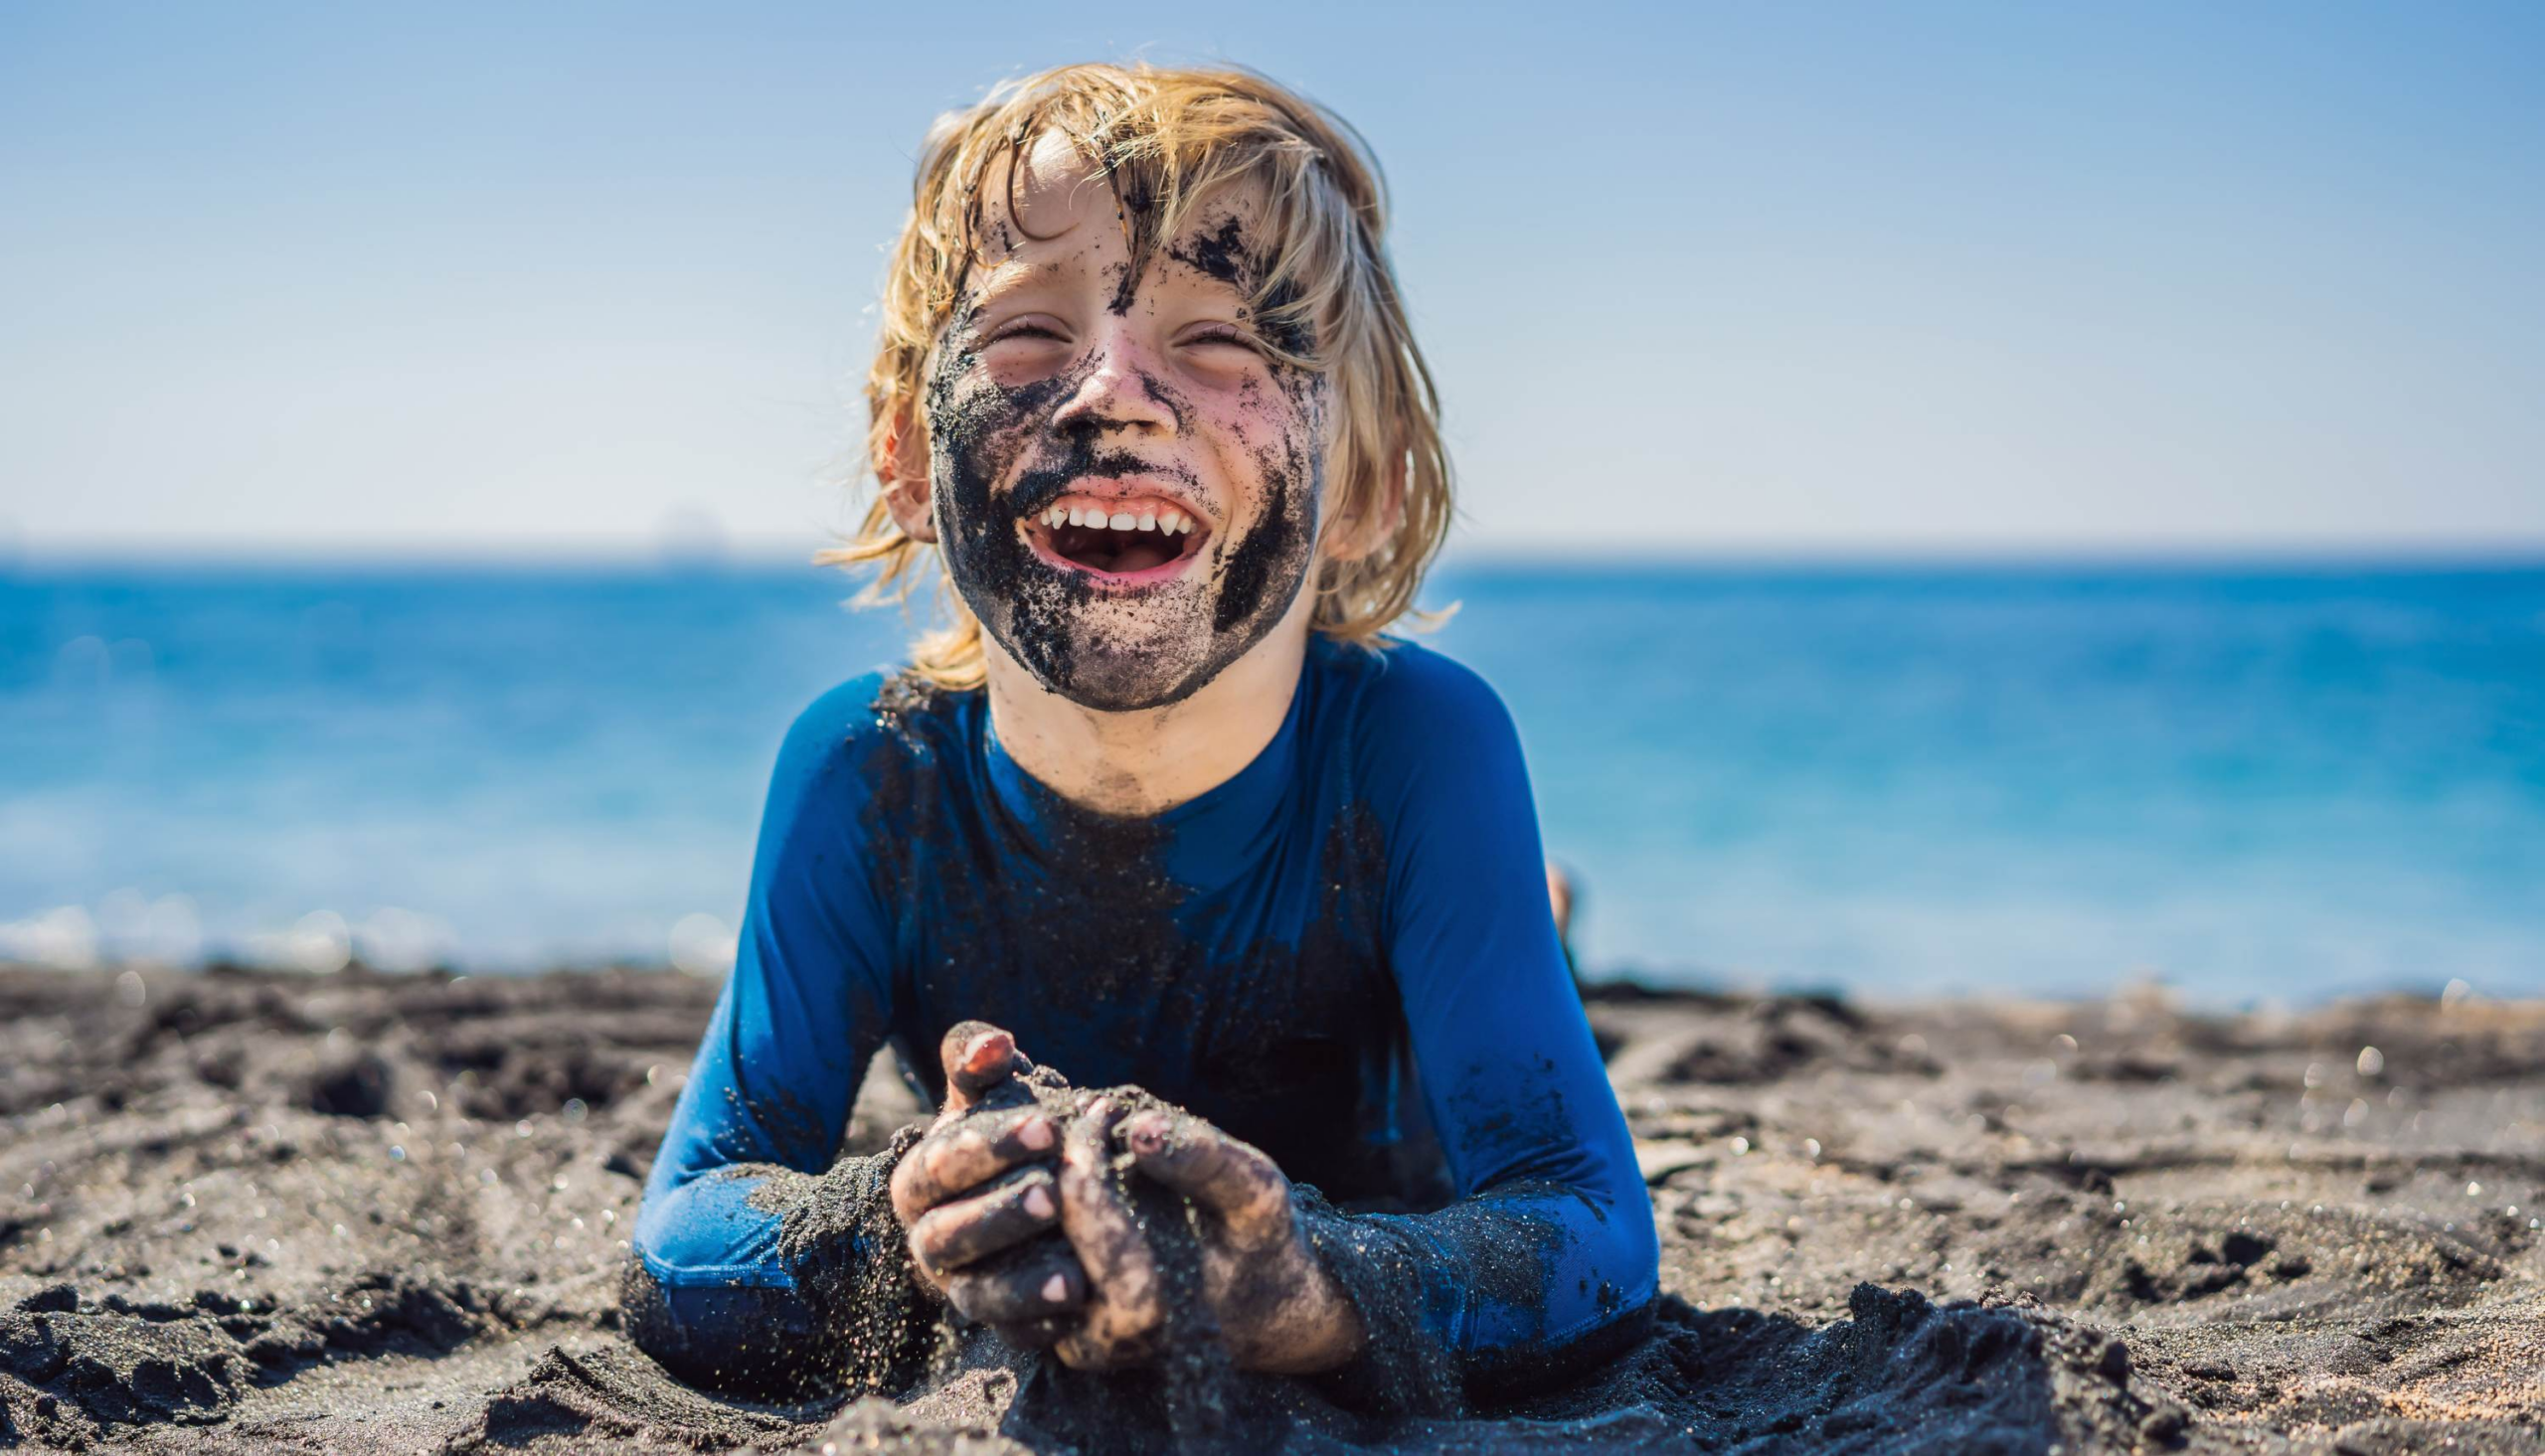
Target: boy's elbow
[1620, 1317]
[1633, 1256]
[1623, 1324]
[1629, 1278]
[1622, 1283]
[1598, 1297]
[737, 1338]
[649, 1318]
[701, 1295]
[1640, 1251]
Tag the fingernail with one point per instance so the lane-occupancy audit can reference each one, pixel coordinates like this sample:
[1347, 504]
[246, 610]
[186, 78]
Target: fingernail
[1056, 1289]
[1038, 1203]
[1036, 1133]
[1148, 1136]
[978, 1048]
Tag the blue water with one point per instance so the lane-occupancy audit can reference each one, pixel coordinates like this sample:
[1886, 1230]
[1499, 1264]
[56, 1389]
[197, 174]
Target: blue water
[2255, 783]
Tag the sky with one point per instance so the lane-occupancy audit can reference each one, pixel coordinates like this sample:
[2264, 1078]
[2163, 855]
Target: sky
[1707, 278]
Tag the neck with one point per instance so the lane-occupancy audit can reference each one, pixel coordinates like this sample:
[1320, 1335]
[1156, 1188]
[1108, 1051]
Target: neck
[1149, 761]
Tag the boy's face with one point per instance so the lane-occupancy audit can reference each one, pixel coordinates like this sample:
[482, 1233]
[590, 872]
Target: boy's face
[1125, 488]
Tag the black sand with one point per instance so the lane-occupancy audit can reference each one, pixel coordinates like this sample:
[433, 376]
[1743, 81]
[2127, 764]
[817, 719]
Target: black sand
[364, 1213]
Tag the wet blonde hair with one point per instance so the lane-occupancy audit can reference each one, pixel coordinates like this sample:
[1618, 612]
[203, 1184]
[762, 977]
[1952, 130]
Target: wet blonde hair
[1168, 140]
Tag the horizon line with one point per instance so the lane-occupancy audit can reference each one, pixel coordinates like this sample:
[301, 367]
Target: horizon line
[764, 552]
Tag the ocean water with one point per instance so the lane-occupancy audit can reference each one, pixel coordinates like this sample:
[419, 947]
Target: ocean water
[2255, 783]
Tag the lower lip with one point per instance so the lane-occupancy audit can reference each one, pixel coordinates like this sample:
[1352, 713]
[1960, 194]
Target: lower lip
[1164, 571]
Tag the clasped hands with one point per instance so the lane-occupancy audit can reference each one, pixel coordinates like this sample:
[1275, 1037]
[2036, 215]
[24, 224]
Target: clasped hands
[987, 1179]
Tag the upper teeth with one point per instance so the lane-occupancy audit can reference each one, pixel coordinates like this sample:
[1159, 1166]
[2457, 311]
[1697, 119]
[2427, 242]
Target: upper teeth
[1148, 518]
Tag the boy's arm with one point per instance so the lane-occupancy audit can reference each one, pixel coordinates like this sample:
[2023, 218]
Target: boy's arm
[1550, 1251]
[749, 1233]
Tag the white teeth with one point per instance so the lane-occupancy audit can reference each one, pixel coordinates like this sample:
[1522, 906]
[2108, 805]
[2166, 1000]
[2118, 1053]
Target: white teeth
[1149, 518]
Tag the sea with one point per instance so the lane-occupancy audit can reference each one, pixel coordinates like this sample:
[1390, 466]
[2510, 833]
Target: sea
[2251, 783]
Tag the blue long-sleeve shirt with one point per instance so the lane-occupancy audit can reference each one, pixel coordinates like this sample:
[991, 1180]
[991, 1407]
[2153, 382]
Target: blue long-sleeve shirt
[1343, 956]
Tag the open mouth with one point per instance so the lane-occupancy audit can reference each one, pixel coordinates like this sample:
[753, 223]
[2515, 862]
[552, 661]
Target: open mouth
[1131, 539]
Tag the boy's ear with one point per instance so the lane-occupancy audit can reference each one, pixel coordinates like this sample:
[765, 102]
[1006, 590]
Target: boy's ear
[901, 469]
[1356, 534]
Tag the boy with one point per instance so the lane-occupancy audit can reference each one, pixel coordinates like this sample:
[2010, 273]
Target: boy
[1164, 807]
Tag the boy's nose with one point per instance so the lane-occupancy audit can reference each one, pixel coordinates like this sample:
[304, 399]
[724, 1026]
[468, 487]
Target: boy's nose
[1119, 392]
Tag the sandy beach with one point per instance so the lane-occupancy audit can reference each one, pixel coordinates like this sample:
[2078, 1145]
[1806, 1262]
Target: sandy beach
[247, 1212]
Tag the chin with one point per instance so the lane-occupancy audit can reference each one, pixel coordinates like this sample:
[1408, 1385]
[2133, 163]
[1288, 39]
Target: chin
[1101, 672]
[1115, 646]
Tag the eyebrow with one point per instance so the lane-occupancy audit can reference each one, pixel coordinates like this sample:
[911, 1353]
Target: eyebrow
[1000, 279]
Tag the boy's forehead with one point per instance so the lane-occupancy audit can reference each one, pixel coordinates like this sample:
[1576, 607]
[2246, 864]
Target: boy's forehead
[1041, 198]
[1049, 207]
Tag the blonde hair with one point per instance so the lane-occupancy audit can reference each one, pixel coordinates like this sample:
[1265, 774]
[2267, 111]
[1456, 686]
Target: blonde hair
[1171, 138]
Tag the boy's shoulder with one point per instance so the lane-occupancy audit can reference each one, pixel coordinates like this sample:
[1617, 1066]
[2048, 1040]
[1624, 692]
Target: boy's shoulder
[891, 713]
[1405, 695]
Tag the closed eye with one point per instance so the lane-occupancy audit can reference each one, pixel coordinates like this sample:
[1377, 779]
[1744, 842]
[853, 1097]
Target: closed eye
[1027, 329]
[1228, 334]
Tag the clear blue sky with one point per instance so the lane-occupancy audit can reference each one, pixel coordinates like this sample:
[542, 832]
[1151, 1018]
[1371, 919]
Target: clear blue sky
[1714, 276]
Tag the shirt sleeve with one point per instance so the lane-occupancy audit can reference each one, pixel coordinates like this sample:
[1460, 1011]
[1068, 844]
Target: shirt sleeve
[769, 1095]
[1551, 1244]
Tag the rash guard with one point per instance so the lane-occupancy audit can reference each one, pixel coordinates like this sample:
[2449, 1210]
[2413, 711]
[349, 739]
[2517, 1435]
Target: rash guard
[1343, 956]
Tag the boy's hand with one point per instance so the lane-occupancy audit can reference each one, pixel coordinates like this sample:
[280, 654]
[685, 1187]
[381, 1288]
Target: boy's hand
[1277, 1309]
[979, 1185]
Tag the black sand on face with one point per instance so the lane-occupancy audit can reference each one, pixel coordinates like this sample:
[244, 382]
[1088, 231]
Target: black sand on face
[254, 1214]
[1000, 453]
